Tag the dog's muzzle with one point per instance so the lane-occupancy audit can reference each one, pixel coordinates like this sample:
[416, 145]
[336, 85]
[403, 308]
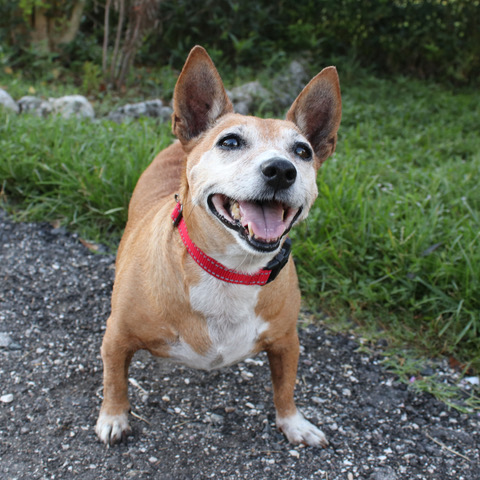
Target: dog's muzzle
[262, 224]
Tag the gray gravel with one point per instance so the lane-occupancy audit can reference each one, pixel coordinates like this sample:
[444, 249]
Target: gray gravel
[54, 301]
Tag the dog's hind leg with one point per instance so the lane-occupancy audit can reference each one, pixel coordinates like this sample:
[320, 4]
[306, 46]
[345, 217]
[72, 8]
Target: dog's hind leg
[283, 358]
[112, 424]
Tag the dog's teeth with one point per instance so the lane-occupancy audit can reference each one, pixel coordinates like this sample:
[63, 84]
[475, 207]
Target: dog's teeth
[250, 229]
[235, 209]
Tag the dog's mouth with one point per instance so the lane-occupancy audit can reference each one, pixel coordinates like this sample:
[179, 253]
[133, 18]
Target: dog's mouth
[261, 224]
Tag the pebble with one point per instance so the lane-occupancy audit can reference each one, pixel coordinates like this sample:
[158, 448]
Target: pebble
[472, 380]
[215, 418]
[294, 453]
[5, 340]
[384, 474]
[8, 398]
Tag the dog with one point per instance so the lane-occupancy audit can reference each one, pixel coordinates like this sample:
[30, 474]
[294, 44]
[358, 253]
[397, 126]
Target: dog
[203, 272]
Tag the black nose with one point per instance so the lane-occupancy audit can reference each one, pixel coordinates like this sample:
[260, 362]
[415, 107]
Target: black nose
[279, 173]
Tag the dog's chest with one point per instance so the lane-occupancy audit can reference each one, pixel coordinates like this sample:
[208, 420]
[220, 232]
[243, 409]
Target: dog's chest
[232, 324]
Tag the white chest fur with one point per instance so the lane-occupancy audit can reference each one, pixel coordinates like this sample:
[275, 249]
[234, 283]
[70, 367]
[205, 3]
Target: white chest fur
[232, 323]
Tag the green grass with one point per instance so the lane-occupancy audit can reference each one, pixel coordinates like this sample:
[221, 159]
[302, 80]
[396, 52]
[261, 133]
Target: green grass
[80, 173]
[392, 241]
[395, 233]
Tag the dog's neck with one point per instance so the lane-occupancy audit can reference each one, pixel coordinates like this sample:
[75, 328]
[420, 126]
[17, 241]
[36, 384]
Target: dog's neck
[243, 273]
[214, 240]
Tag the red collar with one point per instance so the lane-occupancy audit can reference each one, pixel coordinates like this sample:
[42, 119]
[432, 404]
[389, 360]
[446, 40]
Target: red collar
[262, 277]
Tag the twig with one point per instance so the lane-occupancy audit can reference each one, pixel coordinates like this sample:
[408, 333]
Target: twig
[448, 448]
[136, 415]
[182, 423]
[136, 384]
[121, 17]
[105, 37]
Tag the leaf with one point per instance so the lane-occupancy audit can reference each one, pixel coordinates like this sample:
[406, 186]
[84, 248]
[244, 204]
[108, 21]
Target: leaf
[91, 246]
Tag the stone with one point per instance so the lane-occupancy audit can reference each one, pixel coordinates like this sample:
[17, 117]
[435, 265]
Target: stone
[216, 419]
[8, 102]
[287, 85]
[150, 108]
[35, 105]
[8, 398]
[5, 340]
[72, 106]
[249, 97]
[385, 473]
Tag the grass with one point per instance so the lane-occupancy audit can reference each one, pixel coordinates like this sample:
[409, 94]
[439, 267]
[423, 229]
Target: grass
[394, 236]
[78, 173]
[391, 243]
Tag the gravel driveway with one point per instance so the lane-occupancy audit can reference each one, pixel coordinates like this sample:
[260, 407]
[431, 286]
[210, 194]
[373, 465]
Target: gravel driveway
[54, 301]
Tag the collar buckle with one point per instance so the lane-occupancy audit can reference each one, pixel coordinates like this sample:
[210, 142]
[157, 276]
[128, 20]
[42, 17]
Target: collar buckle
[177, 213]
[279, 261]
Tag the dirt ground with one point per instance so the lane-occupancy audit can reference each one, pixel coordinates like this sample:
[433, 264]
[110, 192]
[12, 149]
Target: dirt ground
[54, 301]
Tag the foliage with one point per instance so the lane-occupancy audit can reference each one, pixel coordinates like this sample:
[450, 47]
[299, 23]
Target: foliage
[427, 38]
[78, 172]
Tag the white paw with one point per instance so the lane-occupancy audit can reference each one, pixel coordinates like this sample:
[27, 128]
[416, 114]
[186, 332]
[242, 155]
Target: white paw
[299, 430]
[112, 429]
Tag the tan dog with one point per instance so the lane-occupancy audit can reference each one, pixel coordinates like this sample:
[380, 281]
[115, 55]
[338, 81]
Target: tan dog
[201, 290]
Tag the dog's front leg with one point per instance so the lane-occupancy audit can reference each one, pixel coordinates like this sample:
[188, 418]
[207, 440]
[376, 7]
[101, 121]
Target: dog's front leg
[112, 424]
[283, 358]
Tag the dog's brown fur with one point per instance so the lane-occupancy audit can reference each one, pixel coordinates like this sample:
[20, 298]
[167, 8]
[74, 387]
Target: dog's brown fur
[151, 302]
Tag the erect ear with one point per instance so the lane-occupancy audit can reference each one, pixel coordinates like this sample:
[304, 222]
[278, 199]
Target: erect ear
[317, 112]
[199, 98]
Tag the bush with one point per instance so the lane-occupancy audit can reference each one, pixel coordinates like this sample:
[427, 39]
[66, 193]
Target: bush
[426, 38]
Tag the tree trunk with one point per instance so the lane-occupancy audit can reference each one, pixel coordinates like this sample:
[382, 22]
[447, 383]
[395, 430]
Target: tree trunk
[70, 27]
[48, 33]
[39, 34]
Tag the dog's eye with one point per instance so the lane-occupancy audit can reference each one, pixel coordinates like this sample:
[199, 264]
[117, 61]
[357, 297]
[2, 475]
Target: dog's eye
[230, 142]
[303, 151]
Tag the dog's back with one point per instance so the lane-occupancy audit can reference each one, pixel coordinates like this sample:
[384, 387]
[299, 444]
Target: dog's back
[160, 181]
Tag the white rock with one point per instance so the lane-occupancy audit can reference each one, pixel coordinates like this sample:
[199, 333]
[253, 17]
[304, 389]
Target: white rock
[472, 380]
[5, 339]
[72, 106]
[248, 97]
[35, 105]
[294, 453]
[8, 398]
[7, 101]
[149, 108]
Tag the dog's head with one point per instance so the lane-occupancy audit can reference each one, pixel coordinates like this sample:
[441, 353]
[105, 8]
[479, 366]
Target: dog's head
[254, 177]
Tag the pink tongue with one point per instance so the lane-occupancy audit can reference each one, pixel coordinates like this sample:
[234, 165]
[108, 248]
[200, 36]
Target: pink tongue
[266, 220]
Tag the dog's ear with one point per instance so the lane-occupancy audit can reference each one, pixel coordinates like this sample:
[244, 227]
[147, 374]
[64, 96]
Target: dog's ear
[317, 112]
[199, 98]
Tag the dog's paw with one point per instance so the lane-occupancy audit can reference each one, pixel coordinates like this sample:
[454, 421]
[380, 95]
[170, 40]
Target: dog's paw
[112, 429]
[299, 430]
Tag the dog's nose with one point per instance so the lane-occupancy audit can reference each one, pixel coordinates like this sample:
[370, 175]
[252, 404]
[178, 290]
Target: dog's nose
[279, 173]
